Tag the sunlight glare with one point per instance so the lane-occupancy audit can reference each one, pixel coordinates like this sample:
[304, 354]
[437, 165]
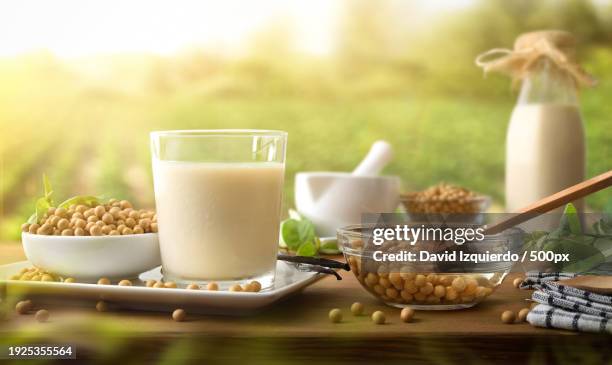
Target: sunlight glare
[72, 28]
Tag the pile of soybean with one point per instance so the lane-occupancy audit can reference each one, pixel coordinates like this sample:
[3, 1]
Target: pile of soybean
[110, 219]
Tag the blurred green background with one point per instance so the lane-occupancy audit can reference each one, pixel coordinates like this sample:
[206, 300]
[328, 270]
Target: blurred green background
[396, 70]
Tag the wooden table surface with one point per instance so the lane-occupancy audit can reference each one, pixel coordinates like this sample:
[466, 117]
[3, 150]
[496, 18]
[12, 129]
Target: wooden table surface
[297, 330]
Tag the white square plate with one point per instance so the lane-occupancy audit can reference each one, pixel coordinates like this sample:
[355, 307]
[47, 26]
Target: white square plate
[288, 281]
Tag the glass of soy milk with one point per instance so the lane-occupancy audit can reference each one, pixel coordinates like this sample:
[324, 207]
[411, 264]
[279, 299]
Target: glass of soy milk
[218, 195]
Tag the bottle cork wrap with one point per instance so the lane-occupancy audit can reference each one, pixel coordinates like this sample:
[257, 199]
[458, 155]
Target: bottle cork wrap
[555, 45]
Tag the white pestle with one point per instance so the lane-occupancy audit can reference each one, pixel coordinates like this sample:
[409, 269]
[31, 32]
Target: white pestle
[335, 195]
[379, 156]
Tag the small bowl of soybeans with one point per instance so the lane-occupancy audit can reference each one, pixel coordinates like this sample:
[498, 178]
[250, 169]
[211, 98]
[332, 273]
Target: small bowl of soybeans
[110, 239]
[423, 285]
[445, 199]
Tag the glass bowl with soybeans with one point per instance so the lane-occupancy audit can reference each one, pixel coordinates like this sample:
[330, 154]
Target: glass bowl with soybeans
[86, 237]
[400, 275]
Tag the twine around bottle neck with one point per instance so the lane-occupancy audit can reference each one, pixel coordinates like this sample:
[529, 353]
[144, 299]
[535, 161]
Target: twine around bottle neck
[518, 63]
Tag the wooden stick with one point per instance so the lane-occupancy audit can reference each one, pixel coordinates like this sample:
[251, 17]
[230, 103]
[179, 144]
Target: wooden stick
[314, 261]
[551, 202]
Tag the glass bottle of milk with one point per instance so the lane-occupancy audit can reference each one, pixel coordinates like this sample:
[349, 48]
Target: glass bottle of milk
[545, 144]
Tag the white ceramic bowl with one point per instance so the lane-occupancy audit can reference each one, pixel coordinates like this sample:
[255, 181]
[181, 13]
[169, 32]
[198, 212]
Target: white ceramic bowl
[93, 257]
[332, 200]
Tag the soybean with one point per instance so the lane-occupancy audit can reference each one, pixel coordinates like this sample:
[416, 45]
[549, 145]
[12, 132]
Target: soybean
[102, 306]
[522, 315]
[179, 315]
[235, 287]
[508, 317]
[402, 286]
[406, 315]
[443, 198]
[104, 281]
[378, 317]
[357, 309]
[42, 315]
[150, 283]
[255, 286]
[335, 315]
[23, 307]
[80, 220]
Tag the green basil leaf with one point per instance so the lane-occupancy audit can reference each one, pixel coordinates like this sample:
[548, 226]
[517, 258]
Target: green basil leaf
[298, 233]
[551, 245]
[570, 222]
[585, 264]
[289, 234]
[604, 245]
[42, 206]
[307, 249]
[534, 240]
[33, 219]
[598, 227]
[583, 257]
[329, 247]
[607, 212]
[553, 235]
[44, 203]
[306, 230]
[536, 235]
[293, 214]
[80, 200]
[48, 190]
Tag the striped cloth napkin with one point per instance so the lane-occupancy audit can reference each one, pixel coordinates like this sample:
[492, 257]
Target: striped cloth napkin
[566, 307]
